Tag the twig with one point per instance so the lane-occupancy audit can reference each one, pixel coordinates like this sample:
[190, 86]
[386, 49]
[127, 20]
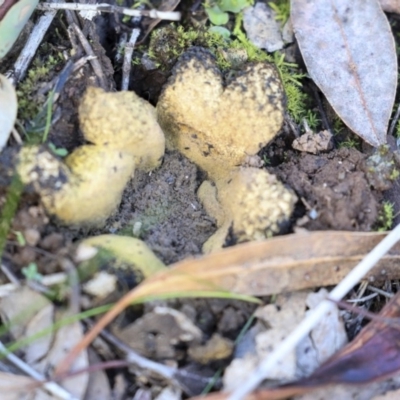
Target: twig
[380, 291]
[17, 136]
[126, 67]
[94, 61]
[48, 280]
[308, 323]
[10, 275]
[394, 122]
[74, 290]
[81, 62]
[51, 387]
[142, 362]
[363, 299]
[31, 45]
[104, 7]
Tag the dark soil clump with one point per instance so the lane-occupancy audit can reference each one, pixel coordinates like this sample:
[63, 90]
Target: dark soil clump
[333, 189]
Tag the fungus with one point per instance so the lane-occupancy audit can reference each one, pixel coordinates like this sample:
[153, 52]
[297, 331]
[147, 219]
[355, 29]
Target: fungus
[254, 205]
[219, 127]
[87, 187]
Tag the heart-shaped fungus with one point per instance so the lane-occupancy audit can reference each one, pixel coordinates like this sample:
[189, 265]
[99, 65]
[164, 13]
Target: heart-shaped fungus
[218, 125]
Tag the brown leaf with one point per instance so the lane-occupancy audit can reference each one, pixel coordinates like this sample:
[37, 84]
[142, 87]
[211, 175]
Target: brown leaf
[280, 264]
[276, 265]
[350, 54]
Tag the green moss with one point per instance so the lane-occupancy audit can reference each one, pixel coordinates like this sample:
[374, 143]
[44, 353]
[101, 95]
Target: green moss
[282, 10]
[394, 175]
[386, 217]
[398, 129]
[33, 116]
[28, 103]
[338, 125]
[168, 43]
[9, 209]
[350, 142]
[312, 119]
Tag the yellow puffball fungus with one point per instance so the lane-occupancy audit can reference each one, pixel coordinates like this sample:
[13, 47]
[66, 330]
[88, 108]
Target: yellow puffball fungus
[123, 121]
[220, 126]
[87, 187]
[253, 205]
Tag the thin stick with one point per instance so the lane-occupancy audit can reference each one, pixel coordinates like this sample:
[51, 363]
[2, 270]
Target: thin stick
[135, 358]
[49, 280]
[31, 46]
[126, 67]
[104, 7]
[94, 61]
[394, 121]
[51, 387]
[308, 323]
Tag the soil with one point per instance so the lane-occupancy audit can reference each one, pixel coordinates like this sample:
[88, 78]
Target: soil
[162, 209]
[173, 222]
[333, 188]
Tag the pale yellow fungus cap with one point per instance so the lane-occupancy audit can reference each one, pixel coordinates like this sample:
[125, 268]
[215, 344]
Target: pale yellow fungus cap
[253, 205]
[123, 121]
[217, 126]
[87, 187]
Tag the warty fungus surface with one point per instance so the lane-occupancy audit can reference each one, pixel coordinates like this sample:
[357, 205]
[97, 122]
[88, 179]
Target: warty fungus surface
[87, 187]
[218, 124]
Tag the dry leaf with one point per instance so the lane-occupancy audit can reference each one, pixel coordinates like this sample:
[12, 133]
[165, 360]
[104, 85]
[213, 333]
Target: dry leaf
[29, 313]
[8, 109]
[349, 52]
[13, 387]
[276, 265]
[374, 354]
[276, 321]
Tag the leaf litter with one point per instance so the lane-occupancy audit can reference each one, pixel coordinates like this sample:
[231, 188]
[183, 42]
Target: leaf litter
[268, 267]
[350, 54]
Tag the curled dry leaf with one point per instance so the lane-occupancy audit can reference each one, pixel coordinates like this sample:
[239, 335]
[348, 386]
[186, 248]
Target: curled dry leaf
[272, 266]
[8, 109]
[31, 315]
[349, 52]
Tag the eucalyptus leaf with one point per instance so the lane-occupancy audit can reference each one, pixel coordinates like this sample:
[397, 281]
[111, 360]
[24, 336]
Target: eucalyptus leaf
[350, 54]
[8, 109]
[13, 22]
